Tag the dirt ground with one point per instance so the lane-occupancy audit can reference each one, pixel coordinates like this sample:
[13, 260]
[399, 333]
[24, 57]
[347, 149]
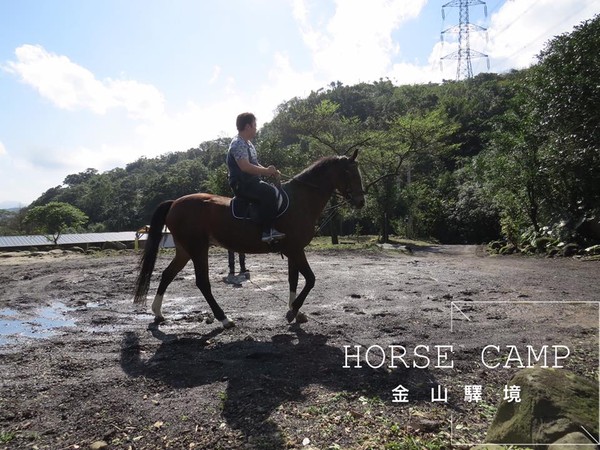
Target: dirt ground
[79, 364]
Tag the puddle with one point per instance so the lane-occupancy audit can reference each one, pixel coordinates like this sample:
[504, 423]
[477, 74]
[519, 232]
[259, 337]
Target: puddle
[43, 323]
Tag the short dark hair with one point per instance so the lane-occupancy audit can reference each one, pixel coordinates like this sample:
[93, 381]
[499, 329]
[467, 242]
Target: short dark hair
[244, 119]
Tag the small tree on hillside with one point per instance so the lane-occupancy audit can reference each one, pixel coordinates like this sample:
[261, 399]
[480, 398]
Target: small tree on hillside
[54, 218]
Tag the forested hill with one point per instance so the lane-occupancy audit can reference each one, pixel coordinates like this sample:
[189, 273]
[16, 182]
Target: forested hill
[513, 155]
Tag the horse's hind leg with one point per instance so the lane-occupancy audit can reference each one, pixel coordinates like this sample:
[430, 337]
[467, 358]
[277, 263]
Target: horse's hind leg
[177, 264]
[202, 281]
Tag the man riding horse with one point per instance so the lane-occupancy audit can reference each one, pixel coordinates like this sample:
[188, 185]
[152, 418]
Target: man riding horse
[244, 176]
[199, 220]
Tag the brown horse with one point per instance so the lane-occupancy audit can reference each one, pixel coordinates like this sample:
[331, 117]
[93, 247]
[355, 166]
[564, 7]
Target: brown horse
[197, 220]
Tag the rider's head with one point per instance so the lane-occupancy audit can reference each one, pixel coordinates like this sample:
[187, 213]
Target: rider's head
[244, 120]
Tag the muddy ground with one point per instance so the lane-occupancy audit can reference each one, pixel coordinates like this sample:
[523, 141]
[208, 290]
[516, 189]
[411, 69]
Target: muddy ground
[79, 364]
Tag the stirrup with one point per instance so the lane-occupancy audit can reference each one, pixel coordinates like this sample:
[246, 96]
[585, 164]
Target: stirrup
[272, 235]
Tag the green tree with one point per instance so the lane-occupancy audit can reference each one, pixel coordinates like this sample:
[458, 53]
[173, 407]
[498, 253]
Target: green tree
[541, 165]
[510, 168]
[319, 129]
[565, 94]
[11, 222]
[411, 145]
[81, 177]
[54, 218]
[218, 183]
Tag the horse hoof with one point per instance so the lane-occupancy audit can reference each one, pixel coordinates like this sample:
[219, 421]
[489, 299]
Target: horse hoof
[291, 315]
[227, 323]
[159, 319]
[301, 317]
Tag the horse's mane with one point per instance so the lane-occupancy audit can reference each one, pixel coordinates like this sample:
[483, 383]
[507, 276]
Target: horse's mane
[317, 168]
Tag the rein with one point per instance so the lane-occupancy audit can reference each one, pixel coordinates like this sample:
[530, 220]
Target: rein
[305, 183]
[329, 217]
[332, 210]
[343, 196]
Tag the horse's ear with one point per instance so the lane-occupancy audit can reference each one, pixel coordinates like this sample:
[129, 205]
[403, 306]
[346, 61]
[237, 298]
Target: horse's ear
[353, 157]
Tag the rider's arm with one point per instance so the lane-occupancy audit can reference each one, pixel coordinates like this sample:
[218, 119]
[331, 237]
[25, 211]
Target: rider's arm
[246, 166]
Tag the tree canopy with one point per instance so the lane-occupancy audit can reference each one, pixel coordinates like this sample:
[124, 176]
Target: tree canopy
[54, 218]
[495, 156]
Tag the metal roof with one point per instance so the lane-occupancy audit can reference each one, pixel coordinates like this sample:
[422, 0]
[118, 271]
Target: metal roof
[68, 239]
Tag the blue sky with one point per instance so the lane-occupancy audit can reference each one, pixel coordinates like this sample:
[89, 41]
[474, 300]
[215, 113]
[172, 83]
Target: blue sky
[100, 83]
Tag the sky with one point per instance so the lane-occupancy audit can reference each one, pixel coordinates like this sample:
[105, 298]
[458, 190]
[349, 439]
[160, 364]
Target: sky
[101, 83]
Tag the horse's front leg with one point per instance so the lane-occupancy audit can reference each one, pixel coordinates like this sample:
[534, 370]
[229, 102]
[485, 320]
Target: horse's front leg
[298, 264]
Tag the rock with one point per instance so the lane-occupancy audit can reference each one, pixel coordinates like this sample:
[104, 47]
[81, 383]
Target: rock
[12, 254]
[590, 227]
[114, 246]
[508, 249]
[593, 250]
[570, 249]
[425, 425]
[490, 447]
[98, 445]
[528, 249]
[497, 245]
[402, 248]
[542, 243]
[554, 402]
[573, 439]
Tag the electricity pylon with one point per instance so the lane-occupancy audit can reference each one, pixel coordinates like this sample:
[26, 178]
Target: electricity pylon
[464, 27]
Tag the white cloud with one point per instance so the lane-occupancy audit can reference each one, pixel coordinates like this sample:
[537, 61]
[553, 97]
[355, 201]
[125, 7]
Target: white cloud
[215, 74]
[351, 43]
[519, 30]
[72, 87]
[356, 43]
[283, 84]
[300, 11]
[189, 127]
[201, 122]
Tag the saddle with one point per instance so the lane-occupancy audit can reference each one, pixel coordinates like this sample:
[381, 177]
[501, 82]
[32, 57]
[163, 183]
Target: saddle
[242, 208]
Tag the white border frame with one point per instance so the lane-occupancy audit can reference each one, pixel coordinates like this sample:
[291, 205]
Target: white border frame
[516, 302]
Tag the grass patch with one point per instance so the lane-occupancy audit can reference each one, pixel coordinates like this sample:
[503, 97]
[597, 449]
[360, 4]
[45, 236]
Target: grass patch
[416, 443]
[362, 243]
[7, 436]
[323, 243]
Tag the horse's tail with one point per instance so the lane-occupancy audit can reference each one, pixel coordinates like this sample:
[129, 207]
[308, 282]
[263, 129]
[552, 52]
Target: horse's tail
[146, 265]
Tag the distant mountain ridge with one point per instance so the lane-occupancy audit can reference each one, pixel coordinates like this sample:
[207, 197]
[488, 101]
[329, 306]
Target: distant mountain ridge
[12, 206]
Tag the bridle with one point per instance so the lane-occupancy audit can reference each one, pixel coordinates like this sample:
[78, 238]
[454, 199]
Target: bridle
[345, 194]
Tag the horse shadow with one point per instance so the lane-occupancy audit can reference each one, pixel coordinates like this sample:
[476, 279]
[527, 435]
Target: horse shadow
[261, 376]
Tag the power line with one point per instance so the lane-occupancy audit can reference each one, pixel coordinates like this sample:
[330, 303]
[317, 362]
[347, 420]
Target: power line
[514, 20]
[544, 33]
[498, 3]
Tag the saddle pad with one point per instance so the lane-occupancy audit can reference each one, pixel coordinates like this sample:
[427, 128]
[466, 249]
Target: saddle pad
[240, 207]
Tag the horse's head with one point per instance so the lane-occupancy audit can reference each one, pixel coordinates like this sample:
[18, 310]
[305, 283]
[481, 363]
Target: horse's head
[351, 182]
